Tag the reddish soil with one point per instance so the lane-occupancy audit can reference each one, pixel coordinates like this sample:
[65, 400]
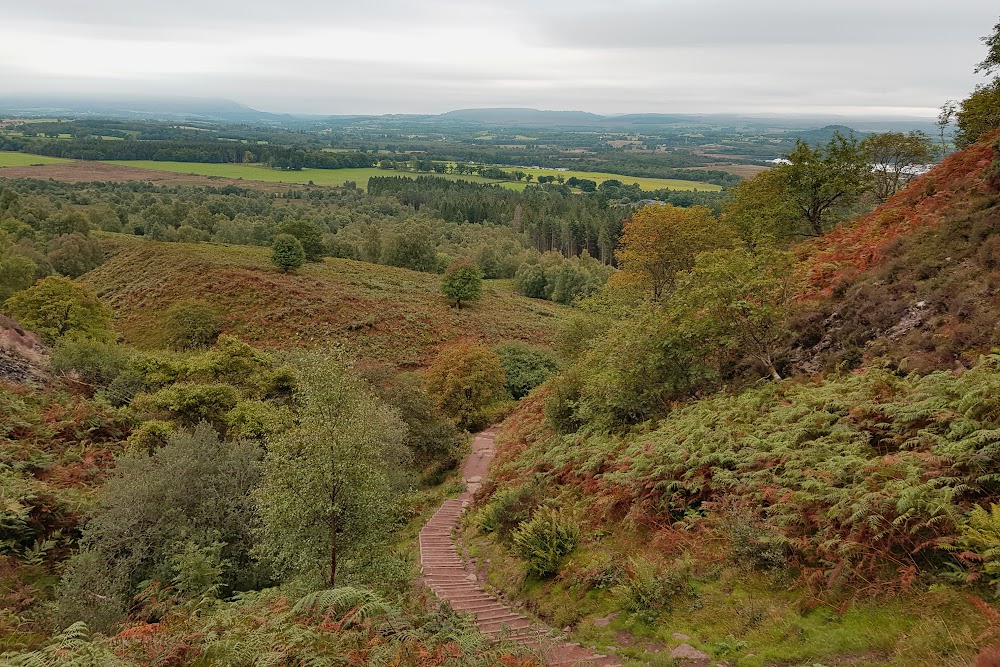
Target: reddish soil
[455, 582]
[85, 171]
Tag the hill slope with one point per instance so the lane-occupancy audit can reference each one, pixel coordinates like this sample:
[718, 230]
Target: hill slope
[373, 311]
[916, 282]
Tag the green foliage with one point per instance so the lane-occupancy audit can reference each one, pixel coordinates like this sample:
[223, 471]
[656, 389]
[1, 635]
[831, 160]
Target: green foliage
[649, 588]
[978, 114]
[150, 435]
[509, 508]
[191, 324]
[464, 379]
[431, 437]
[158, 510]
[190, 403]
[556, 278]
[94, 362]
[287, 253]
[73, 647]
[359, 605]
[462, 281]
[894, 155]
[56, 308]
[327, 501]
[256, 419]
[824, 180]
[524, 367]
[761, 211]
[17, 273]
[544, 540]
[310, 236]
[74, 254]
[978, 546]
[411, 248]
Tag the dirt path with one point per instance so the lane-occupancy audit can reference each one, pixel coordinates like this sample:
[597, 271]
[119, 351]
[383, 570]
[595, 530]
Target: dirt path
[446, 574]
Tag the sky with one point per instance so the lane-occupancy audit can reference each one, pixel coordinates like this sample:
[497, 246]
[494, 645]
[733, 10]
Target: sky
[850, 57]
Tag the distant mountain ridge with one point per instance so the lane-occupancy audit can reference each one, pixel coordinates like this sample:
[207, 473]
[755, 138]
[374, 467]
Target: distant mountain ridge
[224, 110]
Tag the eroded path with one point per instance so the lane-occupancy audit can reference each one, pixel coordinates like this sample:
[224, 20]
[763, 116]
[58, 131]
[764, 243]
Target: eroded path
[447, 574]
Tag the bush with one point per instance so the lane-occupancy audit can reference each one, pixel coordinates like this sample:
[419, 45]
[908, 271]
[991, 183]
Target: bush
[93, 362]
[543, 541]
[525, 367]
[509, 508]
[649, 588]
[191, 403]
[191, 324]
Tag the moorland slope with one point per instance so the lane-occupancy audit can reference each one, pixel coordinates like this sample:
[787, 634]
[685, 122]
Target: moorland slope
[372, 311]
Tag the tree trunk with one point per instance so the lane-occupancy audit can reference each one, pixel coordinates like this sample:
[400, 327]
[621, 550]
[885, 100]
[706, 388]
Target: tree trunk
[333, 545]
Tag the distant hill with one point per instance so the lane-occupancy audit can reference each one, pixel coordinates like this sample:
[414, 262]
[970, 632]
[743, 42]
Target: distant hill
[518, 116]
[373, 311]
[165, 108]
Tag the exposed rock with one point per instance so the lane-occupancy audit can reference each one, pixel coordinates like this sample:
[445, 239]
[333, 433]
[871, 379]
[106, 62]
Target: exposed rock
[689, 656]
[606, 621]
[681, 636]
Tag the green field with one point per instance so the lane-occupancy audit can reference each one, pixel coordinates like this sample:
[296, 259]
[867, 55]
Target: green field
[336, 177]
[9, 159]
[258, 173]
[644, 183]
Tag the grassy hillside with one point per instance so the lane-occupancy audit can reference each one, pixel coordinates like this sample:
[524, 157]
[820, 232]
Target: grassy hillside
[372, 311]
[915, 283]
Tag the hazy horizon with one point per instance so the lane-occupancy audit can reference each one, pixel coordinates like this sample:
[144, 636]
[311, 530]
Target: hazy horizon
[852, 58]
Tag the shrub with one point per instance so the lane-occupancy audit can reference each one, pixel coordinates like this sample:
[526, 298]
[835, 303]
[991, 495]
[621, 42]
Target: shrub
[74, 254]
[649, 588]
[978, 546]
[191, 324]
[287, 253]
[150, 436]
[310, 236]
[524, 367]
[543, 541]
[93, 362]
[191, 403]
[509, 508]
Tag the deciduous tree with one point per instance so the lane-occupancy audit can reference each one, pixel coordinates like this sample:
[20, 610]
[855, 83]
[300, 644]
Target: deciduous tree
[464, 379]
[56, 307]
[821, 180]
[659, 241]
[327, 498]
[462, 281]
[895, 157]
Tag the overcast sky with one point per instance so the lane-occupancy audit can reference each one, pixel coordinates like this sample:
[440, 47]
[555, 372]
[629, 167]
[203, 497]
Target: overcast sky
[871, 57]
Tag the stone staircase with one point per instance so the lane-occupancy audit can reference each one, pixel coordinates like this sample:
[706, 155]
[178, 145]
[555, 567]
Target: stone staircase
[451, 580]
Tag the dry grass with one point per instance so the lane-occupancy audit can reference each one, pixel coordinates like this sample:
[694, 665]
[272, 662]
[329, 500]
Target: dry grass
[371, 311]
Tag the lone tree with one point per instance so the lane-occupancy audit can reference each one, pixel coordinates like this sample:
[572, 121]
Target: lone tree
[464, 379]
[895, 157]
[463, 281]
[287, 253]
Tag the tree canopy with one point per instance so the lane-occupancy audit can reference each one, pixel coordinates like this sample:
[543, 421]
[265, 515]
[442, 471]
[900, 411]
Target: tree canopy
[462, 281]
[57, 307]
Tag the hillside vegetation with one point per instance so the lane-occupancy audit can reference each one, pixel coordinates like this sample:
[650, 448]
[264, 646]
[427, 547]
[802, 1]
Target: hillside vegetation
[377, 312]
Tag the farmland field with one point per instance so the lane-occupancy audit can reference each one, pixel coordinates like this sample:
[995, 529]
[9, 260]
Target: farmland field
[10, 159]
[336, 177]
[644, 183]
